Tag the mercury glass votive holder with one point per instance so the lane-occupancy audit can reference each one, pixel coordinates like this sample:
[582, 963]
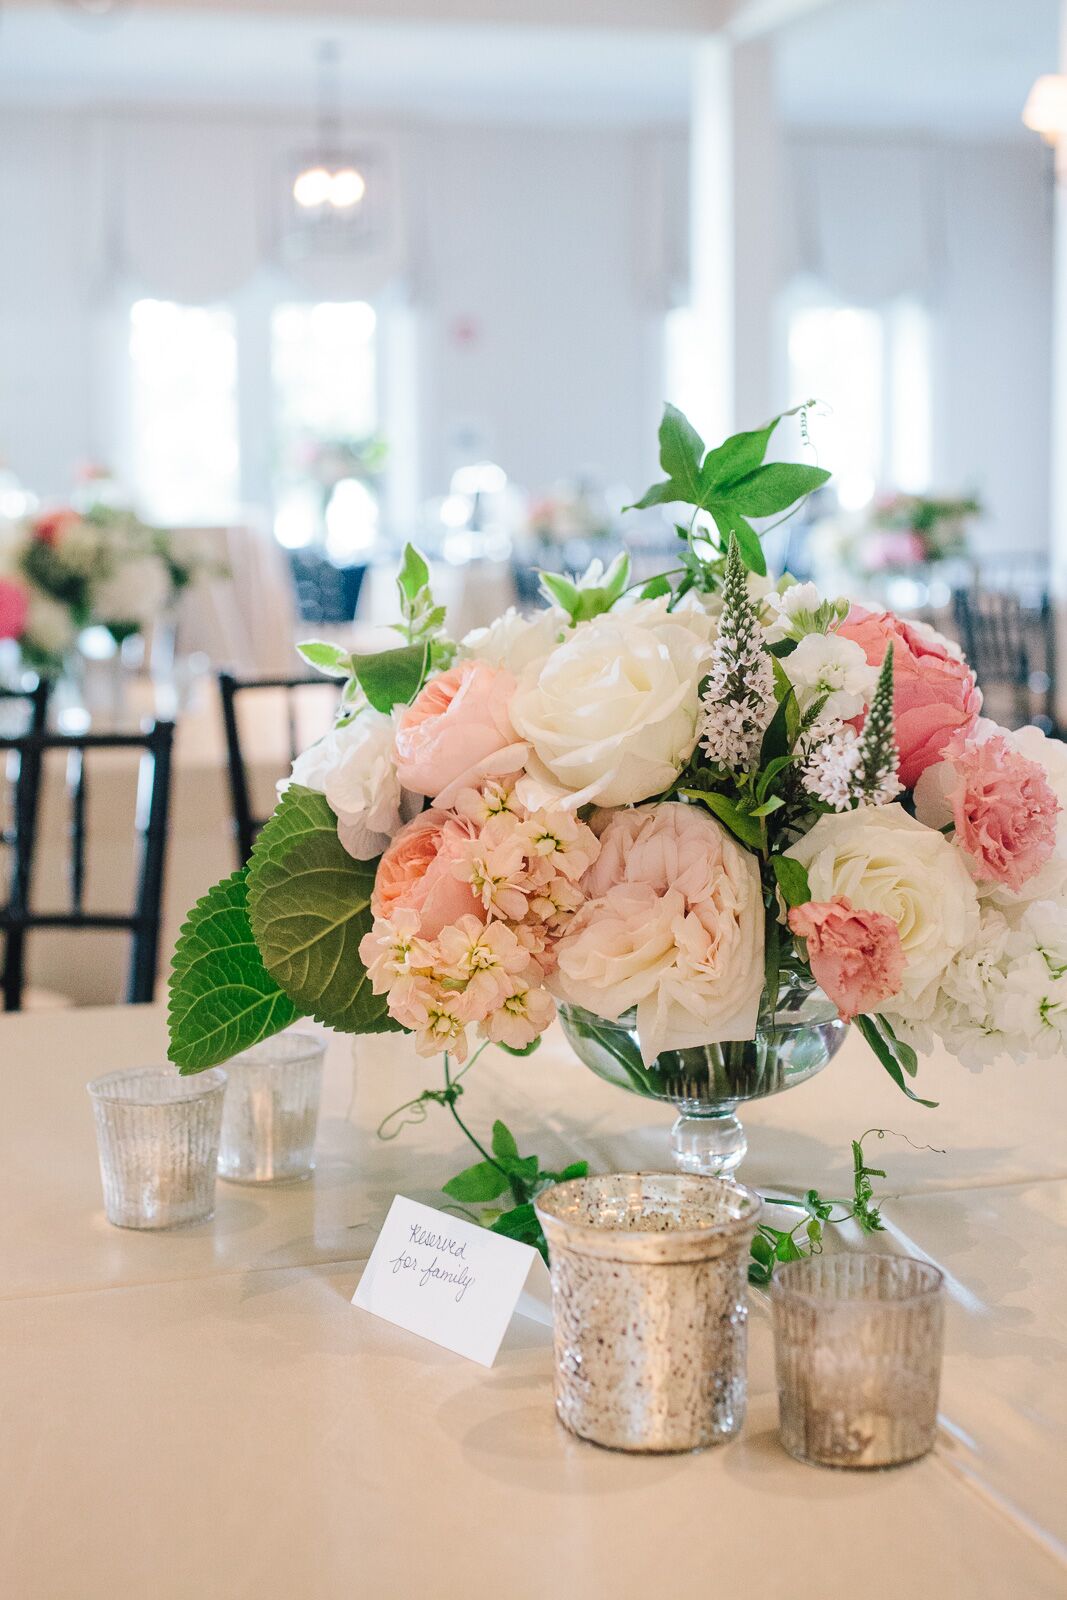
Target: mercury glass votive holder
[858, 1346]
[158, 1139]
[649, 1281]
[272, 1110]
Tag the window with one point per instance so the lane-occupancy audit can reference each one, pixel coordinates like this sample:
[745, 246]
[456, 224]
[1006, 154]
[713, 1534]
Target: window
[184, 411]
[871, 369]
[328, 455]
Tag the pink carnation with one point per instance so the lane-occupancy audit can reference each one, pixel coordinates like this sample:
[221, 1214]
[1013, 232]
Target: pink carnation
[935, 696]
[1004, 810]
[455, 730]
[14, 605]
[855, 956]
[416, 873]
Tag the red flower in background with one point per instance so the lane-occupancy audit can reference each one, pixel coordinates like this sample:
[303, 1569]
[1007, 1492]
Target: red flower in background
[50, 525]
[14, 605]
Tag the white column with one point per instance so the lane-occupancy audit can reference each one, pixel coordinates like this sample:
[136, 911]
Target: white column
[734, 211]
[1058, 498]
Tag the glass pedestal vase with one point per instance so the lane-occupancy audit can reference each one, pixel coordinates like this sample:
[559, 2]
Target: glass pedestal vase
[794, 1040]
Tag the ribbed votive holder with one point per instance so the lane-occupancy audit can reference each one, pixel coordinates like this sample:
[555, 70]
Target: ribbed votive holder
[858, 1347]
[158, 1139]
[272, 1110]
[649, 1278]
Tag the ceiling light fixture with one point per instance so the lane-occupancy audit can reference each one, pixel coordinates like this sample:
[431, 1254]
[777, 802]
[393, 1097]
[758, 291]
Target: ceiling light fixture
[328, 181]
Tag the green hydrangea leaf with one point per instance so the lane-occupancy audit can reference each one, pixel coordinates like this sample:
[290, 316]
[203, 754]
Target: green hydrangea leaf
[309, 905]
[222, 998]
[392, 677]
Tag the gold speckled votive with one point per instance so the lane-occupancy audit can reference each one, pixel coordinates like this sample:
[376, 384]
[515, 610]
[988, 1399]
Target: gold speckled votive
[649, 1279]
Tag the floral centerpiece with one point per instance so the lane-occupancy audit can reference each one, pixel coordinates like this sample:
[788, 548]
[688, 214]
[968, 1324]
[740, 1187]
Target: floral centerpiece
[65, 570]
[710, 820]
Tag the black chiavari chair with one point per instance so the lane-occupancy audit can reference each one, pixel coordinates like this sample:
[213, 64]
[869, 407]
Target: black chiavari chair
[29, 755]
[1009, 640]
[246, 822]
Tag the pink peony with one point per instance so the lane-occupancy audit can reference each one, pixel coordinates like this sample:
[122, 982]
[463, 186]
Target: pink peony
[14, 605]
[673, 924]
[935, 696]
[1004, 810]
[855, 956]
[416, 873]
[455, 730]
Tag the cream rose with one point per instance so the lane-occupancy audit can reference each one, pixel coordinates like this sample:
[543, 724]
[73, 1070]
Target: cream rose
[673, 927]
[514, 641]
[883, 860]
[611, 713]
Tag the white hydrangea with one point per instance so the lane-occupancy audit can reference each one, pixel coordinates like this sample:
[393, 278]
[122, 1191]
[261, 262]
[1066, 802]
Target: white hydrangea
[354, 766]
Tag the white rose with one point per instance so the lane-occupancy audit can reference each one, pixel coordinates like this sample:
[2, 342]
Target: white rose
[611, 714]
[354, 766]
[823, 664]
[514, 641]
[881, 859]
[137, 591]
[49, 626]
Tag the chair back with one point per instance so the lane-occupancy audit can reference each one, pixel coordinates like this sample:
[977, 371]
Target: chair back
[1010, 643]
[246, 821]
[27, 757]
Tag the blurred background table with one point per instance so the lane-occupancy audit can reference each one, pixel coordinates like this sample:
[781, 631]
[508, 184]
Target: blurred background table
[203, 1411]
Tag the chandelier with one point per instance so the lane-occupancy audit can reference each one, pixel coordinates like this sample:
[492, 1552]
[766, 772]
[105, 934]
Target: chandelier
[328, 181]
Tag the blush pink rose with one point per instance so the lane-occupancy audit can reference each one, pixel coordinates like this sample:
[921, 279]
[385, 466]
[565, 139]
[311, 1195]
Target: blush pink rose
[14, 605]
[416, 873]
[1004, 810]
[855, 956]
[455, 730]
[935, 696]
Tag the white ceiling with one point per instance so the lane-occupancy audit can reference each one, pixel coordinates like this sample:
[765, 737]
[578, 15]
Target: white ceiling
[961, 67]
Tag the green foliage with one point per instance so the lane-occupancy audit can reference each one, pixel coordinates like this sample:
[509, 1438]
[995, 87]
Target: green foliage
[309, 906]
[896, 1057]
[772, 1245]
[792, 880]
[506, 1170]
[326, 657]
[741, 823]
[589, 596]
[222, 998]
[392, 677]
[730, 484]
[422, 619]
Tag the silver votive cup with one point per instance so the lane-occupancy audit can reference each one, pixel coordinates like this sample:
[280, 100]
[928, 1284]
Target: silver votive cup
[649, 1279]
[158, 1139]
[272, 1110]
[858, 1345]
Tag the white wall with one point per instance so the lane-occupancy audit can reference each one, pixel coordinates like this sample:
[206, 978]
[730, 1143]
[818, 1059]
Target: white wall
[534, 334]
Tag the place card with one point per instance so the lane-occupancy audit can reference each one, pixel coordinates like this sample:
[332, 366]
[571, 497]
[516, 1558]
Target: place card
[449, 1280]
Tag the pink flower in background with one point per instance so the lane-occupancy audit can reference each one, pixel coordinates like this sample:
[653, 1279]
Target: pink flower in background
[50, 526]
[855, 956]
[935, 696]
[416, 873]
[14, 606]
[455, 730]
[1004, 810]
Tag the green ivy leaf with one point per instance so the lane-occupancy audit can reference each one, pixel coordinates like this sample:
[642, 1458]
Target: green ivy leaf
[479, 1183]
[326, 657]
[681, 451]
[222, 998]
[521, 1223]
[655, 587]
[792, 880]
[413, 575]
[729, 521]
[392, 677]
[888, 1050]
[309, 906]
[504, 1142]
[736, 457]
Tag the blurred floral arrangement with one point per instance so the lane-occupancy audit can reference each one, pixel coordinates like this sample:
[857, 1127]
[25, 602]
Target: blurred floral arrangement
[897, 534]
[65, 570]
[571, 512]
[330, 461]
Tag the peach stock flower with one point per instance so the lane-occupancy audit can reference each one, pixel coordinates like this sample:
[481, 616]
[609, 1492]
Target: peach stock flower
[855, 956]
[455, 731]
[935, 696]
[416, 873]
